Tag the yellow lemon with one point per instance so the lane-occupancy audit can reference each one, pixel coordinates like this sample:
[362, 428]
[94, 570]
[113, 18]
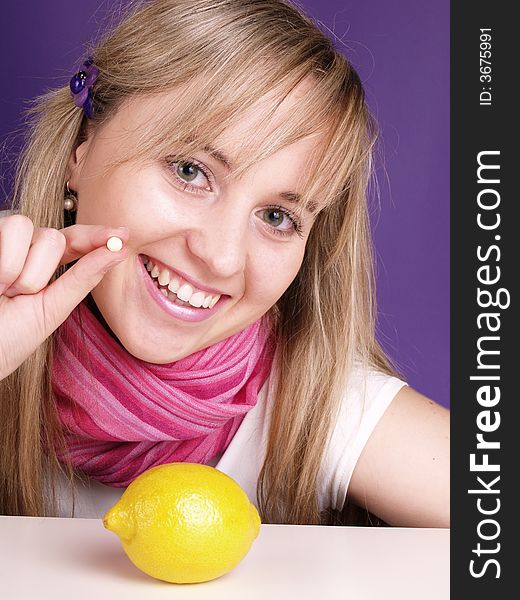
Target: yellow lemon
[184, 522]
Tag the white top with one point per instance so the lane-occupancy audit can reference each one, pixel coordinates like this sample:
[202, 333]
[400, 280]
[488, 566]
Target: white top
[367, 397]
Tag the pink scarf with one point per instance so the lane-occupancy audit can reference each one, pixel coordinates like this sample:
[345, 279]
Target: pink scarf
[126, 415]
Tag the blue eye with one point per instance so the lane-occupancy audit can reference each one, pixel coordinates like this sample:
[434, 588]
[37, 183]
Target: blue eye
[296, 226]
[272, 211]
[187, 171]
[192, 170]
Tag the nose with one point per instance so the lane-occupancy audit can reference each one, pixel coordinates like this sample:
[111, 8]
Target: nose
[220, 241]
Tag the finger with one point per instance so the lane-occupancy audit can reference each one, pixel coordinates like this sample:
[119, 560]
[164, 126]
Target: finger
[64, 294]
[82, 239]
[16, 232]
[43, 259]
[49, 247]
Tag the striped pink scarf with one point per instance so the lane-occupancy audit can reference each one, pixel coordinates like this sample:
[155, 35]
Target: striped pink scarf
[125, 415]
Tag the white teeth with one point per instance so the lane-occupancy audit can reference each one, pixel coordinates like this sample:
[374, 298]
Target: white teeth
[185, 292]
[164, 277]
[174, 285]
[197, 299]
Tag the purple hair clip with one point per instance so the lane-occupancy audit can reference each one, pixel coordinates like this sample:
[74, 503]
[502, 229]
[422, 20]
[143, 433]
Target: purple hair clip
[81, 86]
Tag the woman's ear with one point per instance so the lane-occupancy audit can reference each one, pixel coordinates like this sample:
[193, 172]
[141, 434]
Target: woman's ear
[75, 164]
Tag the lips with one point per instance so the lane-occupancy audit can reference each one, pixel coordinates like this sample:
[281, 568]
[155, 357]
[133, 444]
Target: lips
[174, 286]
[168, 301]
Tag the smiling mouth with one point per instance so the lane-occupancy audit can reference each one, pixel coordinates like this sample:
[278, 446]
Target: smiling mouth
[170, 285]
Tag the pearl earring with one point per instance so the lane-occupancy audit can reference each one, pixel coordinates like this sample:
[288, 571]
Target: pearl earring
[70, 202]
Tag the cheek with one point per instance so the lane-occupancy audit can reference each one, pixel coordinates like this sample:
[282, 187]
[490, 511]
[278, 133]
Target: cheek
[273, 275]
[104, 200]
[127, 197]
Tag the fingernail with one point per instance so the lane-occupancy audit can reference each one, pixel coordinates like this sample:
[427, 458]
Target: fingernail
[110, 231]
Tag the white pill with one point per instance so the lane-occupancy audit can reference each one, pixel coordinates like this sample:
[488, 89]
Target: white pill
[114, 244]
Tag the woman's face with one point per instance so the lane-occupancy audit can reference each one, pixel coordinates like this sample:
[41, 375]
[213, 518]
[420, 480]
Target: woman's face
[206, 235]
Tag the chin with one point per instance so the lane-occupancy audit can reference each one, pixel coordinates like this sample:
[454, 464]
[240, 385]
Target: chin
[139, 350]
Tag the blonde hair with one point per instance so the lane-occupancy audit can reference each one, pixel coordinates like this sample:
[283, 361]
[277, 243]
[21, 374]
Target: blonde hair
[220, 57]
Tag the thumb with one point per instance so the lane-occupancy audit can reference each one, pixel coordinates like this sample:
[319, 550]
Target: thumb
[63, 295]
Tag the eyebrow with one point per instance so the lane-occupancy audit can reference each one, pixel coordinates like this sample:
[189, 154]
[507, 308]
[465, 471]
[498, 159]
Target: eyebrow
[220, 156]
[312, 206]
[292, 197]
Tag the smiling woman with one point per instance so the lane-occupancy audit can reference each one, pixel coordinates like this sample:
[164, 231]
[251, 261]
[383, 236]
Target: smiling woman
[232, 144]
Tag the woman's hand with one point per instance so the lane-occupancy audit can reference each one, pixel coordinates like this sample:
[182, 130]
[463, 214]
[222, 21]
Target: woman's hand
[30, 309]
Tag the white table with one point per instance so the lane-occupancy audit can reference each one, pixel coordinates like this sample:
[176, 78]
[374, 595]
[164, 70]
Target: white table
[52, 558]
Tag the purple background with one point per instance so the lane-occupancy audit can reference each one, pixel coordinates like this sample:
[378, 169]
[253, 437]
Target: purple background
[401, 50]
